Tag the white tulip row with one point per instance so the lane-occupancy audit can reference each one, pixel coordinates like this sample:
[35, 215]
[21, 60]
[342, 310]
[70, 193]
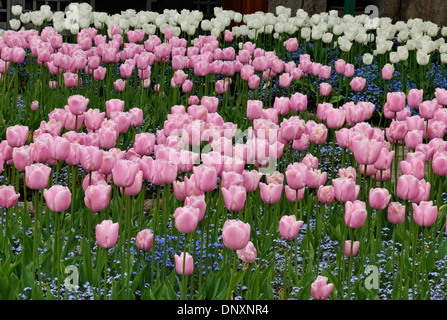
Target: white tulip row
[415, 34]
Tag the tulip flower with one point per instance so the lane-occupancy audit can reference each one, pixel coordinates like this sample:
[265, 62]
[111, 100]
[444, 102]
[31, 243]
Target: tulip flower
[379, 198]
[289, 227]
[355, 214]
[320, 289]
[77, 104]
[270, 193]
[407, 187]
[97, 197]
[184, 264]
[205, 177]
[37, 176]
[248, 254]
[8, 197]
[186, 219]
[396, 213]
[107, 234]
[234, 197]
[425, 213]
[17, 135]
[124, 173]
[355, 248]
[144, 239]
[235, 234]
[57, 198]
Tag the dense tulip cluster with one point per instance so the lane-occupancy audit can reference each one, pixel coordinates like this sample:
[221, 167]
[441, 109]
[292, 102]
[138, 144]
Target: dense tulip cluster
[185, 163]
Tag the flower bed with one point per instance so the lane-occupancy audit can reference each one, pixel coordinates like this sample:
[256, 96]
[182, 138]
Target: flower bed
[289, 157]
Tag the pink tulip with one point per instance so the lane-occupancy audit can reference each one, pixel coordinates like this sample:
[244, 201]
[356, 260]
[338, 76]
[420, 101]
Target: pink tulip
[77, 104]
[205, 177]
[186, 219]
[198, 202]
[355, 214]
[17, 135]
[387, 72]
[298, 102]
[439, 163]
[254, 109]
[8, 197]
[22, 157]
[414, 167]
[234, 197]
[289, 227]
[107, 234]
[144, 239]
[97, 197]
[251, 180]
[413, 139]
[293, 195]
[319, 289]
[144, 143]
[136, 186]
[184, 264]
[248, 254]
[34, 105]
[379, 198]
[315, 178]
[396, 101]
[253, 81]
[235, 234]
[60, 148]
[355, 248]
[37, 176]
[158, 171]
[270, 193]
[340, 65]
[325, 89]
[441, 96]
[326, 194]
[407, 187]
[425, 213]
[93, 119]
[291, 44]
[57, 198]
[396, 213]
[335, 118]
[357, 84]
[384, 160]
[90, 157]
[415, 97]
[124, 173]
[366, 151]
[296, 175]
[119, 85]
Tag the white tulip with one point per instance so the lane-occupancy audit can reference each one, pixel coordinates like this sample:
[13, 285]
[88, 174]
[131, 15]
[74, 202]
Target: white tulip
[394, 57]
[305, 33]
[74, 29]
[402, 51]
[149, 28]
[279, 27]
[16, 10]
[327, 37]
[444, 32]
[338, 29]
[444, 58]
[15, 24]
[25, 17]
[237, 17]
[422, 57]
[367, 58]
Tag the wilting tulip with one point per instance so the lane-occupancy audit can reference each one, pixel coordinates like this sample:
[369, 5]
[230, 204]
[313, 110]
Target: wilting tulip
[248, 254]
[57, 198]
[144, 239]
[107, 234]
[235, 234]
[289, 227]
[320, 289]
